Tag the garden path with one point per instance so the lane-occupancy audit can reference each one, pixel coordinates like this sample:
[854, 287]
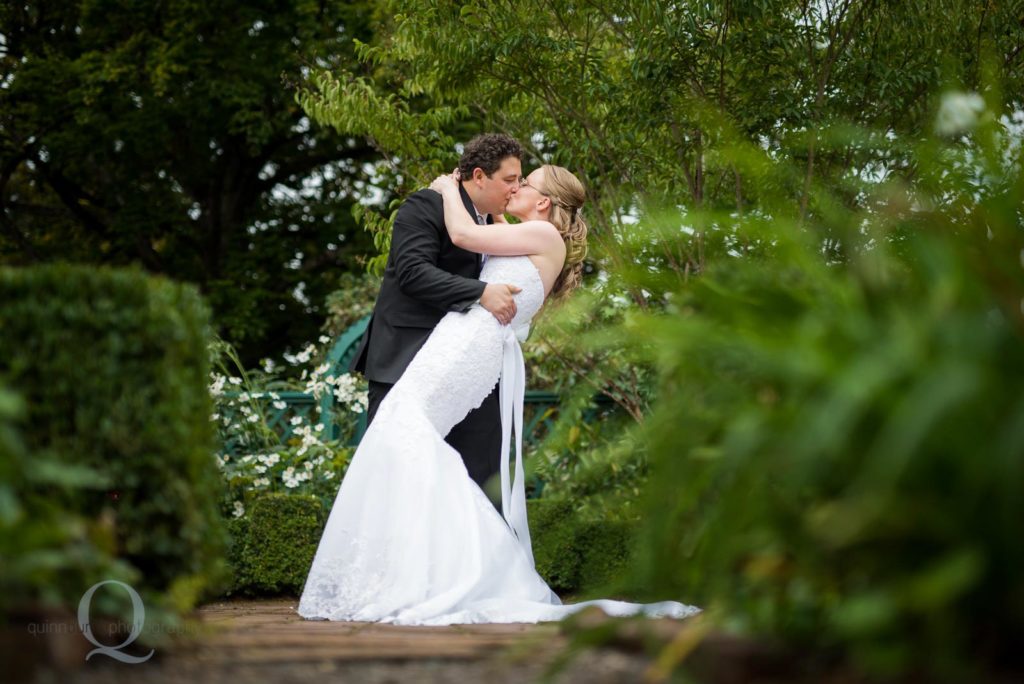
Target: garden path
[265, 641]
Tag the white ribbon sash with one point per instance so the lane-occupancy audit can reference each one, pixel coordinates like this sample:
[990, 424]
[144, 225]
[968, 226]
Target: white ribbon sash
[512, 391]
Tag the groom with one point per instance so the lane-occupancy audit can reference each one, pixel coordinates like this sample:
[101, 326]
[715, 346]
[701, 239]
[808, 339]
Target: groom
[427, 276]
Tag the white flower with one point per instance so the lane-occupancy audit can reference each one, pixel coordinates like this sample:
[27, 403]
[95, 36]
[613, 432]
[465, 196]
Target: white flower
[296, 420]
[323, 339]
[217, 388]
[261, 482]
[248, 458]
[253, 418]
[302, 450]
[323, 368]
[215, 417]
[316, 387]
[235, 381]
[280, 405]
[226, 421]
[329, 475]
[244, 396]
[958, 113]
[319, 427]
[308, 465]
[273, 459]
[268, 365]
[239, 509]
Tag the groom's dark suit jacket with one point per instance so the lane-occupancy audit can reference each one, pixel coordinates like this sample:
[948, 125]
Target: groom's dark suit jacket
[425, 278]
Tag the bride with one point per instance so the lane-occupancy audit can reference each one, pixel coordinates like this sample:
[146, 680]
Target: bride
[411, 538]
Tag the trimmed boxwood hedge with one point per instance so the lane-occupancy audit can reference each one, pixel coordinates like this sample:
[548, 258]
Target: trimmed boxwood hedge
[273, 546]
[112, 367]
[575, 554]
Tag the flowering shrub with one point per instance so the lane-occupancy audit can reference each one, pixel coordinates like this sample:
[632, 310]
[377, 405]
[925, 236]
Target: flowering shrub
[273, 435]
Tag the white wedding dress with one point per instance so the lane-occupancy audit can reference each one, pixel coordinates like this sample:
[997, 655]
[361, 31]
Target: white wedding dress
[411, 539]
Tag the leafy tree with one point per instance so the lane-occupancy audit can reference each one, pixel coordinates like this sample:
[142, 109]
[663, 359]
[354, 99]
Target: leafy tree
[635, 95]
[644, 100]
[166, 134]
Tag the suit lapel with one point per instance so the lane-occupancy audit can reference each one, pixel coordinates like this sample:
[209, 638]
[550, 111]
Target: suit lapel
[472, 212]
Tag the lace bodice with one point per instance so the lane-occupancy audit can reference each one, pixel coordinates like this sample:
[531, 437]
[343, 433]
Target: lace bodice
[460, 363]
[519, 271]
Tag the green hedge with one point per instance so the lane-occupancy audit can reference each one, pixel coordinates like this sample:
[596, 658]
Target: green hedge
[272, 547]
[112, 367]
[575, 554]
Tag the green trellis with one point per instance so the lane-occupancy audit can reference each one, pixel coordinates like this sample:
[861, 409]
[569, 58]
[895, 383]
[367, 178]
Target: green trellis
[304, 404]
[540, 407]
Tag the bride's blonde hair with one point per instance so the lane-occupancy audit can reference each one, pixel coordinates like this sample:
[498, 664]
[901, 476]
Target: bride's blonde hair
[567, 195]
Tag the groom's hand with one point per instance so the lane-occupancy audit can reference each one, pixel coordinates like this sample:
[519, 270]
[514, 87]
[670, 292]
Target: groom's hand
[498, 299]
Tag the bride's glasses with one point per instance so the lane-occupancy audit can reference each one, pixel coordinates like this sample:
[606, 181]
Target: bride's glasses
[524, 183]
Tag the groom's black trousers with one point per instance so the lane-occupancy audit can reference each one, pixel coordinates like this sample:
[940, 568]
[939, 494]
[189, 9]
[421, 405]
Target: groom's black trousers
[477, 438]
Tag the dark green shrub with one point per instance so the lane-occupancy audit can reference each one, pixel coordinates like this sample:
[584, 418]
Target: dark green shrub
[112, 367]
[272, 548]
[574, 553]
[606, 549]
[553, 534]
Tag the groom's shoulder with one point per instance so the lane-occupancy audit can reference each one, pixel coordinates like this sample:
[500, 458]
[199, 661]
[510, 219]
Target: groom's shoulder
[425, 197]
[422, 203]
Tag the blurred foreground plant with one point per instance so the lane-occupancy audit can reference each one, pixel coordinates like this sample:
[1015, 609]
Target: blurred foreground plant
[837, 444]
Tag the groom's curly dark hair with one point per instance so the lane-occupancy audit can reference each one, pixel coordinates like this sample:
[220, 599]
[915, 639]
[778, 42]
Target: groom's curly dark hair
[487, 151]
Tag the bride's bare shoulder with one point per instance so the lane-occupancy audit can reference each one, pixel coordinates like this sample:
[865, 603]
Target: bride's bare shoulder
[540, 226]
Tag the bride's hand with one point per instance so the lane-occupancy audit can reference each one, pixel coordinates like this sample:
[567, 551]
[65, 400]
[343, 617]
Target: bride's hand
[443, 182]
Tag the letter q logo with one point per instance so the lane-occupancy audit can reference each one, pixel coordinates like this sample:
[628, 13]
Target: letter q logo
[138, 619]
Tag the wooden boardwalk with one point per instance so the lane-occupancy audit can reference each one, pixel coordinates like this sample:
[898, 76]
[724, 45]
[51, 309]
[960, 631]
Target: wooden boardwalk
[264, 641]
[271, 631]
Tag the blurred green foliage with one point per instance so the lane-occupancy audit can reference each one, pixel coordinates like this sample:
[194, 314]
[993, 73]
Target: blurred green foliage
[116, 477]
[837, 446]
[48, 554]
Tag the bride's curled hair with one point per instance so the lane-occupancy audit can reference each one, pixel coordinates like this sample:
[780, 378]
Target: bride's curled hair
[567, 196]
